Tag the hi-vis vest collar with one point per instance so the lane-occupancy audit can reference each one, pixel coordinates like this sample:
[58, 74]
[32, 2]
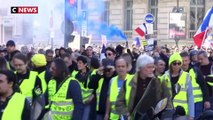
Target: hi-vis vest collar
[169, 75]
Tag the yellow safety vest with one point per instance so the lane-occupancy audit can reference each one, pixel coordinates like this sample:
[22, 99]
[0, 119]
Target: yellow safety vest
[211, 75]
[114, 94]
[8, 65]
[74, 73]
[14, 108]
[61, 107]
[43, 81]
[86, 92]
[198, 95]
[28, 85]
[181, 98]
[98, 92]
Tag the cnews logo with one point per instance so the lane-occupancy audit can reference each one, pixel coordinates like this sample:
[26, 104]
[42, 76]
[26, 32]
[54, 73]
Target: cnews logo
[24, 10]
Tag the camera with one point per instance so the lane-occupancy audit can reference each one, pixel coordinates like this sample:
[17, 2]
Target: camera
[107, 69]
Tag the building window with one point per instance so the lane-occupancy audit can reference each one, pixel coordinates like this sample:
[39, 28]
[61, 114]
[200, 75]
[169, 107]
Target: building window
[128, 17]
[197, 12]
[153, 9]
[105, 16]
[3, 12]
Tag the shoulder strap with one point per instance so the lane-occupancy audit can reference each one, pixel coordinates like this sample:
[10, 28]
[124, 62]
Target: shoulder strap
[125, 85]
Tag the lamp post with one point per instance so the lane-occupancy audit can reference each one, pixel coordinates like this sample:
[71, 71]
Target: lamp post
[178, 6]
[177, 38]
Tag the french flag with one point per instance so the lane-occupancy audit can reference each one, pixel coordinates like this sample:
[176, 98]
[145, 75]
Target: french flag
[204, 28]
[141, 30]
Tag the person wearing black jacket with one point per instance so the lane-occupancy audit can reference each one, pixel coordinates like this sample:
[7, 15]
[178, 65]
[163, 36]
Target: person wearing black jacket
[206, 68]
[83, 77]
[197, 78]
[163, 55]
[165, 59]
[49, 57]
[104, 75]
[11, 51]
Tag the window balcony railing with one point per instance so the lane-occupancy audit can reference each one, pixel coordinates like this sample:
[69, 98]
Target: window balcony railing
[191, 33]
[155, 34]
[128, 33]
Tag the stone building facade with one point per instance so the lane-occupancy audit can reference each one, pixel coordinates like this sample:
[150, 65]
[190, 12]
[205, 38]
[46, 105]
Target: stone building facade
[129, 14]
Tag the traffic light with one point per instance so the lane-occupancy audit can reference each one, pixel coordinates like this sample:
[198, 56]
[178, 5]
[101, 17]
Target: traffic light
[72, 2]
[70, 11]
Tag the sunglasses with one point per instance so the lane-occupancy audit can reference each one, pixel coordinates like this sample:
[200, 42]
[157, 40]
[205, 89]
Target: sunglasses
[109, 54]
[176, 63]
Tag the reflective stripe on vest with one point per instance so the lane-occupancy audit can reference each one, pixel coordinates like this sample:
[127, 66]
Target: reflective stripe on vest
[14, 108]
[43, 81]
[181, 98]
[98, 92]
[210, 83]
[28, 85]
[61, 107]
[114, 94]
[8, 65]
[198, 96]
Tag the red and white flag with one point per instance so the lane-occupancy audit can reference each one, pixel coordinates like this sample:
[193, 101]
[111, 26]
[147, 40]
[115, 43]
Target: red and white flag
[141, 30]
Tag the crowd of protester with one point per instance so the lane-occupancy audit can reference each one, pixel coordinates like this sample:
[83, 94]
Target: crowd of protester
[106, 83]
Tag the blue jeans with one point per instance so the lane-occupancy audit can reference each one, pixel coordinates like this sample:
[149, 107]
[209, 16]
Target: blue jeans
[86, 112]
[167, 115]
[198, 109]
[211, 101]
[100, 117]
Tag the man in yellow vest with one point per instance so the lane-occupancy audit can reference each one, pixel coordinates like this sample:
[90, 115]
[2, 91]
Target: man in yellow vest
[64, 93]
[29, 82]
[39, 65]
[13, 105]
[200, 91]
[142, 92]
[116, 84]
